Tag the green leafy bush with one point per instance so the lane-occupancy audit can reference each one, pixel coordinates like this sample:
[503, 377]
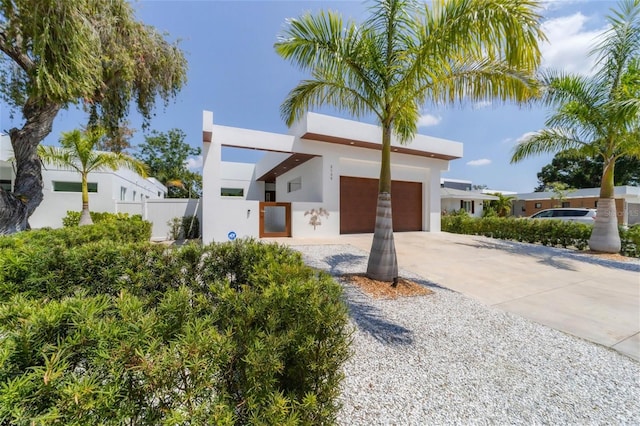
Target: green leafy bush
[107, 333]
[547, 232]
[187, 227]
[191, 227]
[73, 218]
[630, 239]
[120, 229]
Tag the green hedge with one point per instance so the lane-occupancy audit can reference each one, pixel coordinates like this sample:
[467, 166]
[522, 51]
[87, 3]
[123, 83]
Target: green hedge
[73, 218]
[555, 233]
[107, 333]
[120, 229]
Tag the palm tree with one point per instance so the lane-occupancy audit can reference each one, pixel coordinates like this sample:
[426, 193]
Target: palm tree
[502, 206]
[77, 151]
[598, 115]
[404, 55]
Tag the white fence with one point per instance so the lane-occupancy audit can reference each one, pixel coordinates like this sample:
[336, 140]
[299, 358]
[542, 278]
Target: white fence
[160, 212]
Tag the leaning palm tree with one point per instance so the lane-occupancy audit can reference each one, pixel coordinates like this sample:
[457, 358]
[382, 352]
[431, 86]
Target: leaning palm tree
[77, 152]
[405, 55]
[598, 115]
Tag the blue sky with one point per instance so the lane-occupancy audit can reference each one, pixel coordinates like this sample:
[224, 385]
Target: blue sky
[234, 72]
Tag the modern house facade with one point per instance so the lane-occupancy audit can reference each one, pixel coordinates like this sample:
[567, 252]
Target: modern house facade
[627, 202]
[62, 191]
[319, 180]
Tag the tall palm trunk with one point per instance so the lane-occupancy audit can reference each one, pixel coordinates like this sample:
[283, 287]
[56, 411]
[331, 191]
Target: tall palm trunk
[605, 236]
[85, 216]
[383, 262]
[16, 207]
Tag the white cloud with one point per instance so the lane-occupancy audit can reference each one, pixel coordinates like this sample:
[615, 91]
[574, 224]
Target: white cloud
[555, 4]
[480, 162]
[525, 137]
[506, 141]
[569, 43]
[427, 120]
[481, 104]
[194, 163]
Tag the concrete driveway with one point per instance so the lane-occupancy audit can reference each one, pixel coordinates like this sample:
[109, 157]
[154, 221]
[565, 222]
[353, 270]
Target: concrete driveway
[576, 293]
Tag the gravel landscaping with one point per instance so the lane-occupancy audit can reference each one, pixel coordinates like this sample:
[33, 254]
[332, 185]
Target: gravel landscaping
[447, 359]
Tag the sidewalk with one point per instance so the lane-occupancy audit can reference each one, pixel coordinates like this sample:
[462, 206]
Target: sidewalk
[572, 292]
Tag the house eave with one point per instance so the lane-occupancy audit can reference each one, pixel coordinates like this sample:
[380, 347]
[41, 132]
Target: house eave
[377, 146]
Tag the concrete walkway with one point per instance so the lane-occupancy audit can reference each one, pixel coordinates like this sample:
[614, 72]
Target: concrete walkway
[572, 292]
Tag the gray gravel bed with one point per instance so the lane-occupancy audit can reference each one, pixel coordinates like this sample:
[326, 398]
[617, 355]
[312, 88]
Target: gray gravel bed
[447, 359]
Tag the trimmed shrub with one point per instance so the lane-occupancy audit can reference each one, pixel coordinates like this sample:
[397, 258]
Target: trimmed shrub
[73, 218]
[554, 233]
[121, 229]
[630, 239]
[105, 333]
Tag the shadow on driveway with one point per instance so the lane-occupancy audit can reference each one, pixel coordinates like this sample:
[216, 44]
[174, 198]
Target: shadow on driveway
[551, 256]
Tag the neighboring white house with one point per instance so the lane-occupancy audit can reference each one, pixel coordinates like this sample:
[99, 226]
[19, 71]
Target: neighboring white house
[319, 180]
[470, 201]
[62, 190]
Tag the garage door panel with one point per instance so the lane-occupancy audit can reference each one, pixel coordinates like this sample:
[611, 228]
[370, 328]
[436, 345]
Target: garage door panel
[358, 199]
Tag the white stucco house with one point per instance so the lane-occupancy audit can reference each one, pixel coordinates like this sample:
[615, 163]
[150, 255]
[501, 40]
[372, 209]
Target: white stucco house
[107, 190]
[318, 180]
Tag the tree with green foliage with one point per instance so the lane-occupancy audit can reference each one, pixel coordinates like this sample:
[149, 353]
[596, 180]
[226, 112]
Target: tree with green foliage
[77, 152]
[405, 55]
[598, 115]
[166, 154]
[55, 54]
[560, 191]
[586, 172]
[501, 207]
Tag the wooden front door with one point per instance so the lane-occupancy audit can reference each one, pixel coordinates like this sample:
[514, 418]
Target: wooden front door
[275, 219]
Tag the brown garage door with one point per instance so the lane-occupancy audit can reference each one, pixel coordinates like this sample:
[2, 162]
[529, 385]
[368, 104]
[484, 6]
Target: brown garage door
[358, 198]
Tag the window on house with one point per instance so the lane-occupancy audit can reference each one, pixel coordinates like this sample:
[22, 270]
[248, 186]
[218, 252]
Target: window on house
[5, 184]
[295, 184]
[566, 204]
[538, 205]
[596, 204]
[74, 186]
[134, 196]
[468, 206]
[123, 193]
[232, 192]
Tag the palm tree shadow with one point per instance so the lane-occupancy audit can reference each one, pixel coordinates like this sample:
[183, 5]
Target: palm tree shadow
[543, 254]
[368, 318]
[371, 320]
[549, 256]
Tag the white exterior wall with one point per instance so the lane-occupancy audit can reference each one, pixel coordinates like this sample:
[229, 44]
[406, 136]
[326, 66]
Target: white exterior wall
[55, 204]
[130, 207]
[451, 205]
[633, 212]
[161, 211]
[301, 216]
[241, 175]
[310, 174]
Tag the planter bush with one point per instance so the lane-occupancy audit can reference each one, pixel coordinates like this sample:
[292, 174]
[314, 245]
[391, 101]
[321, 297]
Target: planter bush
[104, 333]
